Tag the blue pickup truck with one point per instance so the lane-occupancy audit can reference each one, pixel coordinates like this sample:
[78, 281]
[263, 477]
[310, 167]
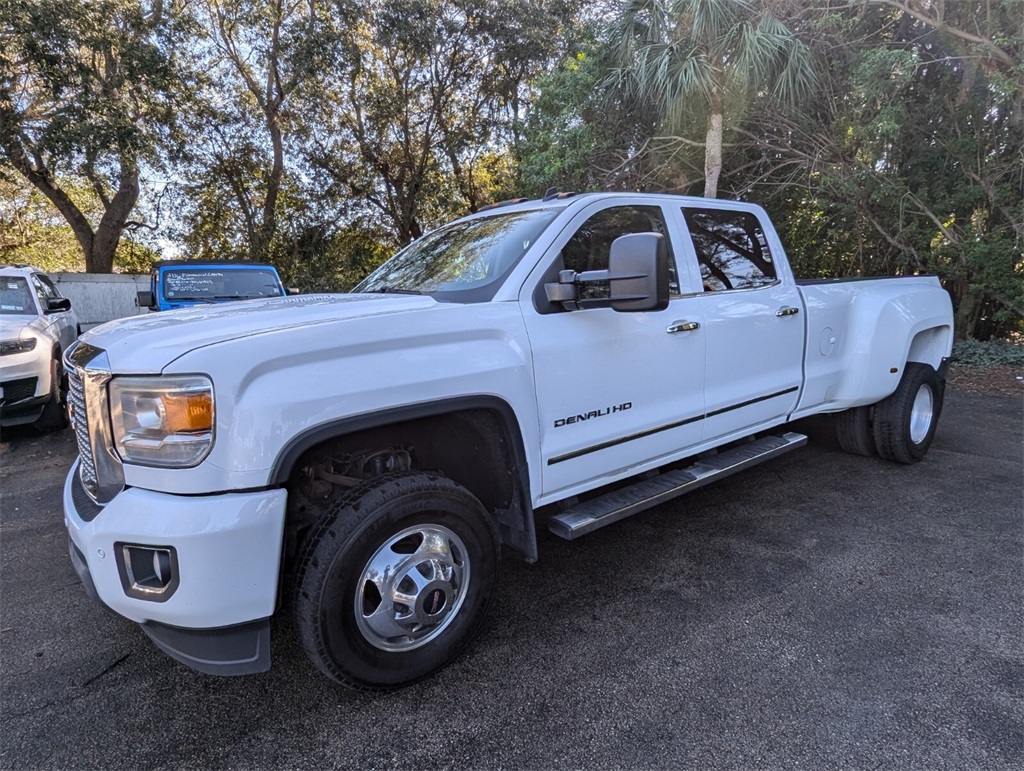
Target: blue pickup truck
[184, 283]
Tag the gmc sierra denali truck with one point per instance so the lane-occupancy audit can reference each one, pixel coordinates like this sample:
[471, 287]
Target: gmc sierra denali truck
[361, 459]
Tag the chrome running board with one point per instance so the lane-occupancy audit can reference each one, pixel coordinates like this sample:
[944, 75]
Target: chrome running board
[595, 513]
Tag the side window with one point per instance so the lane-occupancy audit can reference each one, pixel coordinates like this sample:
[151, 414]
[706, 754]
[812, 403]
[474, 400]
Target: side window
[40, 290]
[590, 246]
[51, 290]
[731, 248]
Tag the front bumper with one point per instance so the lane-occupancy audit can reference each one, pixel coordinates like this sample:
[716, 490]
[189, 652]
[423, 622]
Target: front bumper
[227, 549]
[19, 405]
[35, 363]
[23, 411]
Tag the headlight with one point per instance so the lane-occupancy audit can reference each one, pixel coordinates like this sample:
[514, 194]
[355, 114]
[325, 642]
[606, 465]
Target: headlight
[162, 421]
[17, 346]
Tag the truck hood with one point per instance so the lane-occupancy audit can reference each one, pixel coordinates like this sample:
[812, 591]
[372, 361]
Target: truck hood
[147, 344]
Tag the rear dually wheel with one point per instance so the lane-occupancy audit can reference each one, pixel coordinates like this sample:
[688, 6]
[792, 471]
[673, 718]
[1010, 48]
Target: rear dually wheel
[905, 421]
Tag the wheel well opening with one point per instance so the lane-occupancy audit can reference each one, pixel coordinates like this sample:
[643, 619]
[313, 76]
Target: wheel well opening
[473, 447]
[929, 346]
[470, 447]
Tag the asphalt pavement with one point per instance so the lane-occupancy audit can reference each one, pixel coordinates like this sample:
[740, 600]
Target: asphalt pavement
[819, 611]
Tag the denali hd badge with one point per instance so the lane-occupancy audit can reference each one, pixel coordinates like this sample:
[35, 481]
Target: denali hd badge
[593, 414]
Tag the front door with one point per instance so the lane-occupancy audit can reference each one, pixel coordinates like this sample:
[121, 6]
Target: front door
[615, 390]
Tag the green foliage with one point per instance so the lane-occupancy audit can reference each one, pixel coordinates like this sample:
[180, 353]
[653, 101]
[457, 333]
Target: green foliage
[323, 135]
[33, 233]
[83, 80]
[703, 63]
[333, 261]
[988, 353]
[567, 136]
[689, 54]
[913, 166]
[133, 256]
[91, 90]
[260, 55]
[217, 207]
[412, 128]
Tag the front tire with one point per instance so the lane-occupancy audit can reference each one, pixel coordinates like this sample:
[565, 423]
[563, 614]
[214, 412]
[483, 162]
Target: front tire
[395, 580]
[905, 421]
[54, 416]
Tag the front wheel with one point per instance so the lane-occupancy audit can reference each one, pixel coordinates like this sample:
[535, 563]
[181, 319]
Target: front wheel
[395, 580]
[54, 416]
[905, 421]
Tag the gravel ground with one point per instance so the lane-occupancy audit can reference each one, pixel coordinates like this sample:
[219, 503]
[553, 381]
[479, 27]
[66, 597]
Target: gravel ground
[821, 610]
[1002, 380]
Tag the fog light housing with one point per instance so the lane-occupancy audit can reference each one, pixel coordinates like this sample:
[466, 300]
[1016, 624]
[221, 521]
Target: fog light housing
[147, 572]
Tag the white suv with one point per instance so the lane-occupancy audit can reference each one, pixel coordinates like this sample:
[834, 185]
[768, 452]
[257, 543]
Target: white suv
[36, 326]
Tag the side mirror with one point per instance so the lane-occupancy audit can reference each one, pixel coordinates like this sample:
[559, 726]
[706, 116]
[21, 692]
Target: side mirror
[637, 275]
[58, 304]
[145, 300]
[642, 261]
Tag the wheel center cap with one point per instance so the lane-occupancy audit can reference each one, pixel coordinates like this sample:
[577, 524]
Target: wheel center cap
[435, 602]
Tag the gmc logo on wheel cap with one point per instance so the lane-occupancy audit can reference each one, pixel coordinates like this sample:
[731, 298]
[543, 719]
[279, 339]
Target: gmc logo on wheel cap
[436, 602]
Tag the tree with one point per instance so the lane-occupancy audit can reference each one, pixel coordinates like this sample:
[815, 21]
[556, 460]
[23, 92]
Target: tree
[710, 58]
[913, 165]
[987, 33]
[261, 54]
[416, 124]
[580, 134]
[34, 233]
[89, 90]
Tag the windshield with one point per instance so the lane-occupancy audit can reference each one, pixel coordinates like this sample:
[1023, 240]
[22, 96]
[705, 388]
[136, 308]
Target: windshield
[218, 284]
[463, 262]
[15, 297]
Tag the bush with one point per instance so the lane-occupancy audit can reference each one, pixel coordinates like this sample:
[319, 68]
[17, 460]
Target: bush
[992, 353]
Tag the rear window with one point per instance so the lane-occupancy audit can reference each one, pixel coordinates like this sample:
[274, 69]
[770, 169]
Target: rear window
[731, 248]
[16, 297]
[218, 284]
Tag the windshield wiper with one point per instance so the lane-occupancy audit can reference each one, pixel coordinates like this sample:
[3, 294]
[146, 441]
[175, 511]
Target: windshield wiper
[395, 290]
[191, 300]
[235, 297]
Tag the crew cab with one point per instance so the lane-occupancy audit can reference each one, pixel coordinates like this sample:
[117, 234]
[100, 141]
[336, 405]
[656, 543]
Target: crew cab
[175, 284]
[37, 326]
[361, 459]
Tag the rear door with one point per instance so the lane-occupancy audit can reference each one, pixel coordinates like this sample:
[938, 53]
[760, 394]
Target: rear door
[614, 390]
[753, 317]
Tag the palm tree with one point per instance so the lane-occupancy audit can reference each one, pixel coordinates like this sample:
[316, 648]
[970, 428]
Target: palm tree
[709, 57]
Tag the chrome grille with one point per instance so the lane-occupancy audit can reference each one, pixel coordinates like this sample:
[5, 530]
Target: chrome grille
[80, 422]
[100, 468]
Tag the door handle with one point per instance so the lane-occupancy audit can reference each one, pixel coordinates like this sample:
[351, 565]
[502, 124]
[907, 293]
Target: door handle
[787, 311]
[682, 326]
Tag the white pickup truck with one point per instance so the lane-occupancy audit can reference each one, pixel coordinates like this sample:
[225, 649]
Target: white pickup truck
[362, 458]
